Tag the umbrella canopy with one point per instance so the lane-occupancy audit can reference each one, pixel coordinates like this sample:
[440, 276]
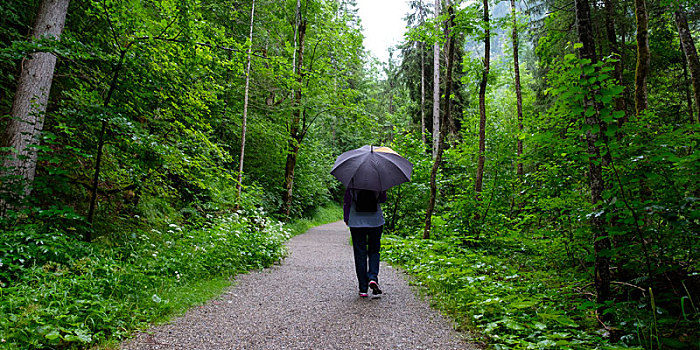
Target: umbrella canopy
[372, 168]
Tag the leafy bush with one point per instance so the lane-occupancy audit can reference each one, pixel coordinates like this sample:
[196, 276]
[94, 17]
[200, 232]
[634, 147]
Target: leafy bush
[105, 290]
[503, 294]
[518, 296]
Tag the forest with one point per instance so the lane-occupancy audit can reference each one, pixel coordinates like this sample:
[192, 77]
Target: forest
[151, 149]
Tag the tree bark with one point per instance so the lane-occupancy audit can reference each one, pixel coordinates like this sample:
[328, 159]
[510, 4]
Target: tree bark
[601, 241]
[643, 56]
[101, 139]
[24, 128]
[244, 120]
[688, 97]
[620, 104]
[443, 131]
[422, 92]
[436, 87]
[691, 54]
[422, 77]
[295, 132]
[518, 91]
[482, 104]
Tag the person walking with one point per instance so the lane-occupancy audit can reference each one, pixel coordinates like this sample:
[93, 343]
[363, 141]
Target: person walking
[367, 172]
[362, 213]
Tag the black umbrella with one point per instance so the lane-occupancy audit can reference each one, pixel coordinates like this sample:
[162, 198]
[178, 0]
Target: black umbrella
[372, 168]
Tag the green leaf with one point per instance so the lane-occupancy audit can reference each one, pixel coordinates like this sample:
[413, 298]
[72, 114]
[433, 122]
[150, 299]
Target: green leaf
[83, 335]
[509, 323]
[618, 114]
[539, 325]
[565, 321]
[524, 303]
[53, 334]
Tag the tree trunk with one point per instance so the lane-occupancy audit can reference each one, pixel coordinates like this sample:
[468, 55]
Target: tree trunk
[643, 56]
[691, 54]
[422, 92]
[601, 242]
[422, 77]
[615, 48]
[688, 97]
[244, 121]
[482, 104]
[436, 87]
[443, 131]
[518, 91]
[101, 139]
[295, 132]
[24, 128]
[391, 99]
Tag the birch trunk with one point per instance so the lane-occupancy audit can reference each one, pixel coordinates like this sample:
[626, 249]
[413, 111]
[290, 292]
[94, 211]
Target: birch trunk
[24, 128]
[244, 120]
[438, 156]
[422, 92]
[422, 79]
[436, 87]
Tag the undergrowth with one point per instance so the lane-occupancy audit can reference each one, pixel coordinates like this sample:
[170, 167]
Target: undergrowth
[89, 293]
[321, 215]
[510, 294]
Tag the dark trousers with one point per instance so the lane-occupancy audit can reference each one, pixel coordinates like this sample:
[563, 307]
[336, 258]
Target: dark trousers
[366, 242]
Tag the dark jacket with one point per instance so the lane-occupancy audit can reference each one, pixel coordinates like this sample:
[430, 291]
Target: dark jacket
[347, 201]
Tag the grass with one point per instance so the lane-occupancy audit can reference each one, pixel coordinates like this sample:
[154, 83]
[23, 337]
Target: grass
[181, 299]
[97, 294]
[322, 215]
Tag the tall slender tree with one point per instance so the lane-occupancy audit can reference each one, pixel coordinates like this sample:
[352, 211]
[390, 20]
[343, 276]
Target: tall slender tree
[620, 104]
[23, 129]
[244, 120]
[518, 91]
[643, 56]
[101, 136]
[601, 242]
[436, 85]
[448, 93]
[422, 77]
[482, 103]
[296, 132]
[690, 52]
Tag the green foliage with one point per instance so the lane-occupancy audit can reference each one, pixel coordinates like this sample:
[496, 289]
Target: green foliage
[321, 215]
[505, 291]
[537, 226]
[517, 294]
[405, 206]
[166, 79]
[79, 294]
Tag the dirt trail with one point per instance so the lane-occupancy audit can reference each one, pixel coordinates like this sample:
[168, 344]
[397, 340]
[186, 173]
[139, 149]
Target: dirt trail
[310, 301]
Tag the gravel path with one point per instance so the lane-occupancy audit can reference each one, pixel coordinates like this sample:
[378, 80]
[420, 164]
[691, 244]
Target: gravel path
[309, 302]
